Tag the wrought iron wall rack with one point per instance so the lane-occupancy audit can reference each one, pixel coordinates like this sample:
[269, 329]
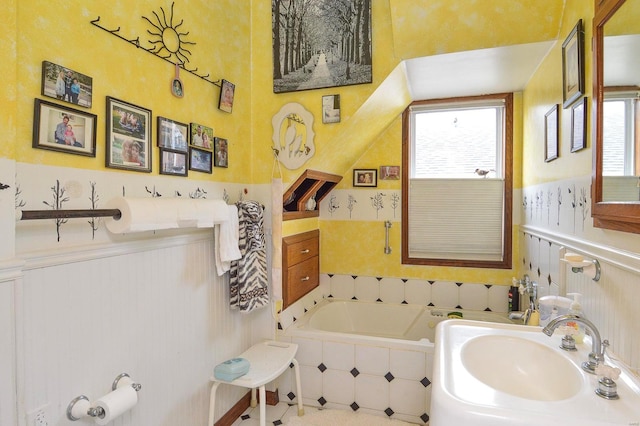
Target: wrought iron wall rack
[136, 43]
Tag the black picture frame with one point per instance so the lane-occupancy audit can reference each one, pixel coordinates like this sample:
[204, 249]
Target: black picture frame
[200, 160]
[365, 178]
[227, 96]
[221, 152]
[551, 133]
[173, 135]
[47, 117]
[173, 162]
[573, 65]
[58, 82]
[579, 125]
[327, 64]
[128, 136]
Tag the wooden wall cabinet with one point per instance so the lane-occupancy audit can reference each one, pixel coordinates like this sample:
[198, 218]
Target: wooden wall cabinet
[310, 184]
[300, 265]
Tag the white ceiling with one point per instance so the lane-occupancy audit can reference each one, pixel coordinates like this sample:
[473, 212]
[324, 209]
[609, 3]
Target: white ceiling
[476, 72]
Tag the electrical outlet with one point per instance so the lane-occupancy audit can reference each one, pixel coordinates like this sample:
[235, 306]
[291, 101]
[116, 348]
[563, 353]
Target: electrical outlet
[38, 417]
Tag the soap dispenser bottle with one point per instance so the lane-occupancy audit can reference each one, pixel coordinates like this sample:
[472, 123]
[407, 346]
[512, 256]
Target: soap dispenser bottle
[576, 309]
[514, 295]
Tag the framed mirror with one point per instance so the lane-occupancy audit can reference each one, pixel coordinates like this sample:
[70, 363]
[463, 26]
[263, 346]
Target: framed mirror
[616, 115]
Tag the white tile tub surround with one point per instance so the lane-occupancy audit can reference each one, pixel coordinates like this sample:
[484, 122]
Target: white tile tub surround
[379, 378]
[386, 381]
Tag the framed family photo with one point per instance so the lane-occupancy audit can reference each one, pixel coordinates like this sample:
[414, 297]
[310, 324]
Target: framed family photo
[389, 172]
[573, 66]
[58, 128]
[66, 85]
[173, 162]
[365, 177]
[227, 93]
[173, 135]
[128, 144]
[551, 132]
[200, 160]
[221, 152]
[201, 136]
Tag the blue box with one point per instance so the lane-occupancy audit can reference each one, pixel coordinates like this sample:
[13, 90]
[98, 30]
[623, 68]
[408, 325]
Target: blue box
[231, 369]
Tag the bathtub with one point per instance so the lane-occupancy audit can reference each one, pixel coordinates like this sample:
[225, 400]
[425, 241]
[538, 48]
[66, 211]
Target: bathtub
[411, 323]
[372, 356]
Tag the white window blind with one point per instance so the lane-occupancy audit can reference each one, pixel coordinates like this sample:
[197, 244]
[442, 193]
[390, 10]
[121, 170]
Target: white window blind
[456, 218]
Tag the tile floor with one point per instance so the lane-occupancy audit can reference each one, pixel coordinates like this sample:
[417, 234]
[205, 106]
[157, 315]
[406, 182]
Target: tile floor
[276, 414]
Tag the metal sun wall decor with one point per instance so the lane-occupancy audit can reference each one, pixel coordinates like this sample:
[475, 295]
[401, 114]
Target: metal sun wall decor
[168, 42]
[321, 43]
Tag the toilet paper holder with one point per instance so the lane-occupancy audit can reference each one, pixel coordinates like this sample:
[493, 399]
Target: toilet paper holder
[80, 406]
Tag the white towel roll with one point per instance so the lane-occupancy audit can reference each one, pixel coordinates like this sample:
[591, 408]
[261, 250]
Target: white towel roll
[141, 214]
[210, 212]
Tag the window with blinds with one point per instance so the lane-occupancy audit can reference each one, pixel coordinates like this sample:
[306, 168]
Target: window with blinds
[457, 182]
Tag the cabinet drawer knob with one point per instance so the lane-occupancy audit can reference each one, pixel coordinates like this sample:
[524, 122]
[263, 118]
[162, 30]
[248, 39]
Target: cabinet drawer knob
[305, 279]
[305, 251]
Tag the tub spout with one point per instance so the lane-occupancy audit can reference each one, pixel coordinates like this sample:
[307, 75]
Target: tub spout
[597, 352]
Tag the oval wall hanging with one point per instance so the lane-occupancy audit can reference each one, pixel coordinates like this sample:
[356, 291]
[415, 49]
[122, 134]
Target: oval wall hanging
[293, 135]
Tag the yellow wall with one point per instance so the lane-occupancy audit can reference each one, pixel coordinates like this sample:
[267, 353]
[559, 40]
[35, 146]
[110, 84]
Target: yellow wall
[8, 70]
[60, 32]
[369, 134]
[545, 90]
[431, 27]
[234, 42]
[355, 247]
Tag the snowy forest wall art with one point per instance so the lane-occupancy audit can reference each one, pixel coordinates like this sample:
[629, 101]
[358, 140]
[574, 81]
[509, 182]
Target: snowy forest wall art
[320, 43]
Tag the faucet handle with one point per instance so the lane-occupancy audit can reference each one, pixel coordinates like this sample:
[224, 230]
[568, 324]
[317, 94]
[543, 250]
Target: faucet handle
[607, 371]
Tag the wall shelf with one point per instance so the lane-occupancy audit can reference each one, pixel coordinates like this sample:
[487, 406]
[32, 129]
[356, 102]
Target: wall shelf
[310, 184]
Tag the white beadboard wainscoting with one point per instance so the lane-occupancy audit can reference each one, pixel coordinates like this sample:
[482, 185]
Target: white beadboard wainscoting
[610, 303]
[10, 275]
[153, 308]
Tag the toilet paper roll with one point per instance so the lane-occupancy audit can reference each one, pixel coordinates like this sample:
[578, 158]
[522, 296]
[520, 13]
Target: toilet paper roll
[116, 403]
[141, 214]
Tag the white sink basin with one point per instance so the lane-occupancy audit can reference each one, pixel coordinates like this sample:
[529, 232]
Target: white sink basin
[490, 374]
[521, 367]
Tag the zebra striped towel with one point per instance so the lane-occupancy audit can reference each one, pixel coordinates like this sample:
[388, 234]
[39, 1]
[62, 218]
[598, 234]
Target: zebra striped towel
[248, 275]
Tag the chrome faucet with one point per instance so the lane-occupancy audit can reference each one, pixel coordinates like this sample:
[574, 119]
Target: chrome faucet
[597, 348]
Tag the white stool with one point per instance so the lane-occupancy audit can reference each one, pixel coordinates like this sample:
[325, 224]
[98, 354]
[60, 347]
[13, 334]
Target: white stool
[267, 361]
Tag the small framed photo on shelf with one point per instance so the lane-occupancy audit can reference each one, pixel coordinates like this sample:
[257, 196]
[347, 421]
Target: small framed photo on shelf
[331, 109]
[551, 131]
[66, 85]
[200, 160]
[173, 162]
[389, 172]
[58, 128]
[227, 93]
[221, 152]
[573, 66]
[173, 135]
[579, 125]
[365, 177]
[128, 136]
[201, 136]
